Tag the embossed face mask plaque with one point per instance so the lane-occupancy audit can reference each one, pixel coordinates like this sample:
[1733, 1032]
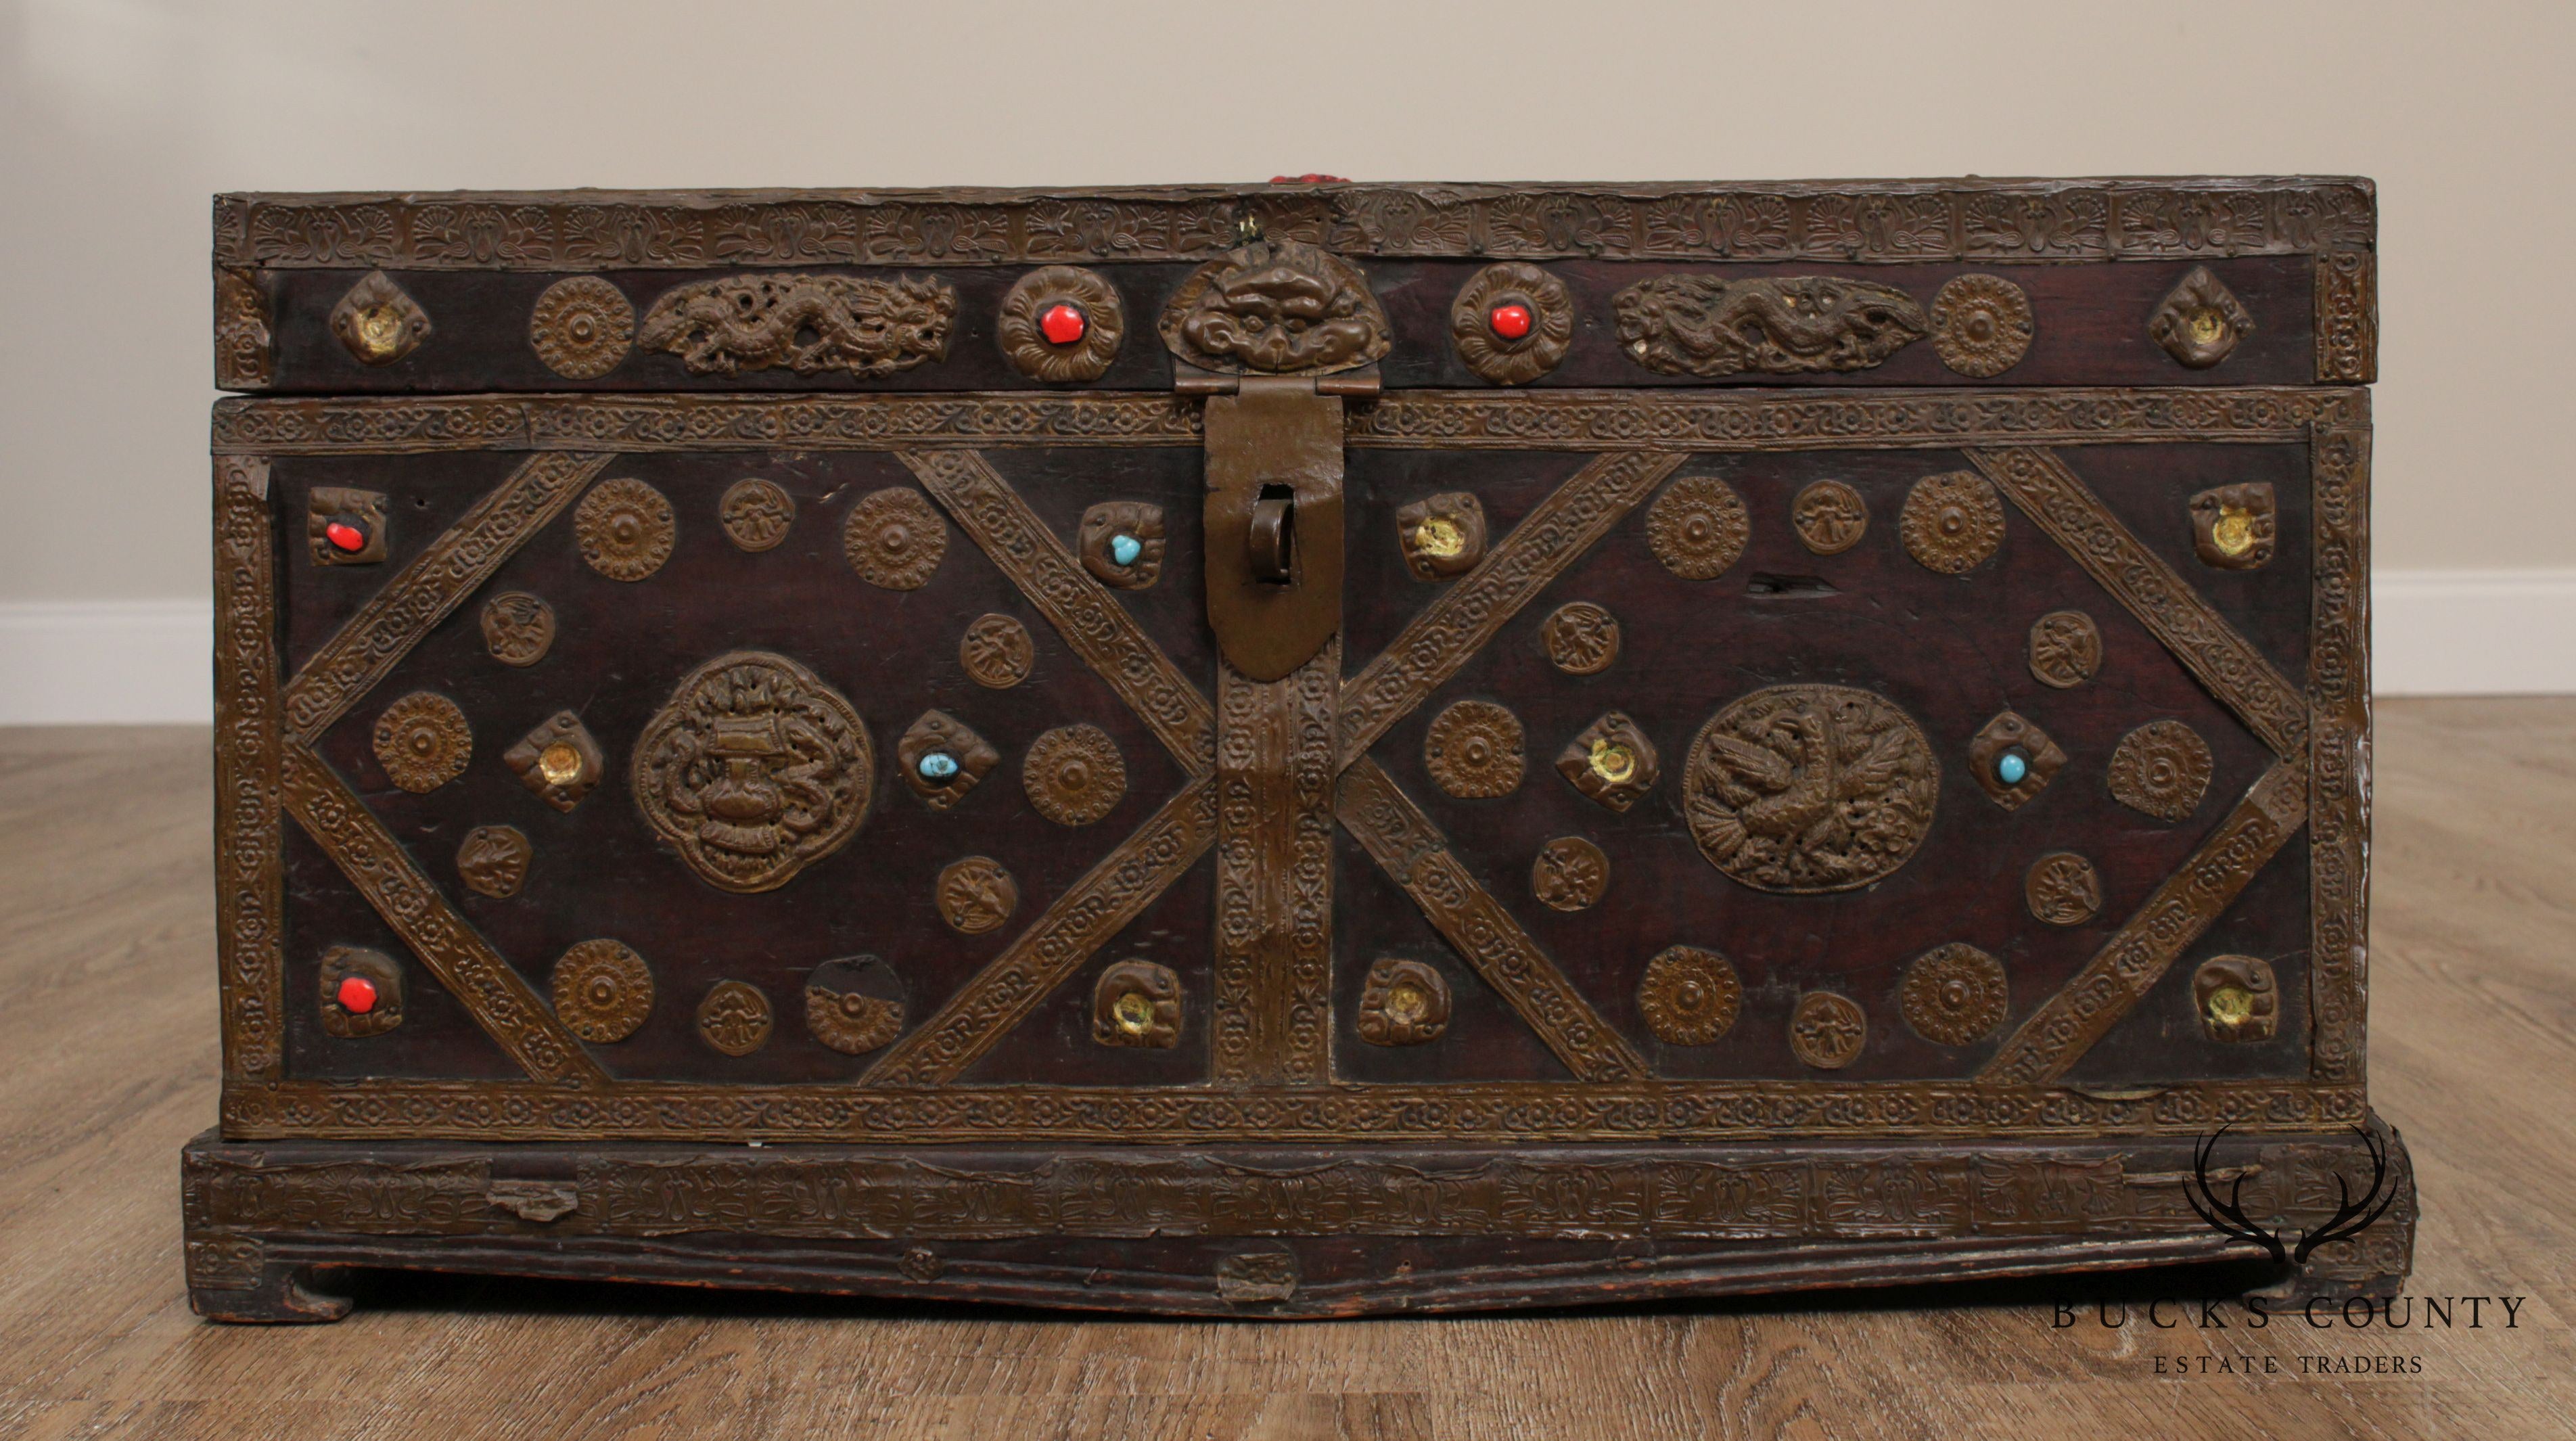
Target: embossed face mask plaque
[1296, 749]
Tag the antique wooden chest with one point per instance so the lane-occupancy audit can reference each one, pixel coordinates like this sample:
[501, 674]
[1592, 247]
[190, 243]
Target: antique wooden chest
[1294, 749]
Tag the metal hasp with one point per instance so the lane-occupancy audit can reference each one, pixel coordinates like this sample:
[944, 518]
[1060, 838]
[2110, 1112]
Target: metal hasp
[1274, 523]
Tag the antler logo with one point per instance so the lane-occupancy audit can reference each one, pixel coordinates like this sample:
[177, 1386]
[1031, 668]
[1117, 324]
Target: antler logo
[2351, 1217]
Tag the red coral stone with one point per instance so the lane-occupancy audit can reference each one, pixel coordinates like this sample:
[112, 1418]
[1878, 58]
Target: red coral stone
[1063, 324]
[345, 536]
[357, 995]
[1511, 322]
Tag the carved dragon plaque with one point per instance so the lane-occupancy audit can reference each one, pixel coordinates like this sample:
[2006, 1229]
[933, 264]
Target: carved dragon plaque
[753, 770]
[804, 323]
[1786, 325]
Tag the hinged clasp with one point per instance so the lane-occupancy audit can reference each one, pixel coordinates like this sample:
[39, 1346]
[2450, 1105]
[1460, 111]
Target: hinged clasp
[1274, 518]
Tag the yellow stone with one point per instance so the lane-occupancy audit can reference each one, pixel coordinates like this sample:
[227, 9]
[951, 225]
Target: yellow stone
[1440, 536]
[1406, 1002]
[2231, 1006]
[559, 763]
[2234, 531]
[2207, 325]
[1135, 1012]
[1613, 762]
[379, 329]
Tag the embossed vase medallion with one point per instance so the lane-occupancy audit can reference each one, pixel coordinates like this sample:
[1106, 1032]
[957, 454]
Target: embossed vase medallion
[2065, 649]
[559, 760]
[1061, 323]
[602, 990]
[1474, 750]
[1074, 775]
[1512, 323]
[518, 628]
[1443, 535]
[854, 1005]
[2161, 769]
[422, 741]
[996, 652]
[1806, 788]
[1829, 516]
[1570, 874]
[1276, 307]
[2063, 889]
[753, 770]
[1827, 1030]
[1580, 638]
[894, 538]
[493, 860]
[1698, 527]
[625, 529]
[1403, 1003]
[582, 327]
[1781, 325]
[2200, 322]
[1611, 762]
[734, 1018]
[1952, 523]
[1954, 995]
[976, 895]
[756, 513]
[1137, 1003]
[1689, 996]
[1981, 325]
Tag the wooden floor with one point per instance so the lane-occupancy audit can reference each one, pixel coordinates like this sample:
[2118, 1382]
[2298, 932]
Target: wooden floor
[107, 1063]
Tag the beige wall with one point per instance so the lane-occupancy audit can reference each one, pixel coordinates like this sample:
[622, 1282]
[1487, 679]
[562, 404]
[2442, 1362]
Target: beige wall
[119, 117]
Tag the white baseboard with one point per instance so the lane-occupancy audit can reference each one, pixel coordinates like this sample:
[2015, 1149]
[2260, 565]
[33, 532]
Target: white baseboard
[2438, 632]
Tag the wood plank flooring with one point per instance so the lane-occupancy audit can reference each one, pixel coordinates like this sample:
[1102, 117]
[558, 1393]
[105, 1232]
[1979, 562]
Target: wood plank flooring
[107, 1063]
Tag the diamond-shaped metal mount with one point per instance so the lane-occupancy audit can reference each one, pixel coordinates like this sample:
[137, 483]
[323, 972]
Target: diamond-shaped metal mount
[558, 760]
[2003, 734]
[939, 733]
[377, 322]
[2200, 322]
[1611, 762]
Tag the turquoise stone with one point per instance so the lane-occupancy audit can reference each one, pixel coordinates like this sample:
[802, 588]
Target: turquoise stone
[2011, 767]
[1124, 549]
[938, 766]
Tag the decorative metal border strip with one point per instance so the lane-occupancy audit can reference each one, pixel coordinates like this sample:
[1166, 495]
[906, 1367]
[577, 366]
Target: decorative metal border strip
[1271, 1007]
[1081, 921]
[490, 990]
[1449, 631]
[1521, 1111]
[2347, 316]
[2126, 967]
[2228, 664]
[1592, 421]
[1834, 221]
[448, 570]
[1091, 620]
[2339, 753]
[1411, 850]
[250, 891]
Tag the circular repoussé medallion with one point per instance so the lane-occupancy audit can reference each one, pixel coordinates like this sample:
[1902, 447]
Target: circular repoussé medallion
[625, 529]
[1474, 750]
[997, 652]
[1827, 1030]
[1074, 775]
[1808, 788]
[1829, 516]
[518, 628]
[1512, 323]
[422, 741]
[1698, 527]
[602, 991]
[2065, 648]
[1569, 874]
[754, 769]
[734, 1018]
[894, 538]
[756, 513]
[976, 895]
[1952, 523]
[1981, 325]
[493, 860]
[1581, 638]
[1689, 996]
[1954, 995]
[1061, 323]
[2063, 889]
[2161, 769]
[582, 327]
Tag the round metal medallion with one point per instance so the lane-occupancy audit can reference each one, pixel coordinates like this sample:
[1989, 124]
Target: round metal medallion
[2065, 648]
[1698, 527]
[603, 991]
[1474, 750]
[1581, 638]
[1021, 326]
[518, 628]
[1981, 325]
[493, 860]
[976, 895]
[756, 513]
[1829, 516]
[997, 652]
[894, 538]
[1074, 775]
[1569, 874]
[2063, 889]
[1546, 309]
[734, 1018]
[753, 770]
[1808, 788]
[1952, 523]
[422, 741]
[1689, 996]
[582, 327]
[625, 529]
[1826, 1030]
[2161, 769]
[1954, 995]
